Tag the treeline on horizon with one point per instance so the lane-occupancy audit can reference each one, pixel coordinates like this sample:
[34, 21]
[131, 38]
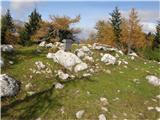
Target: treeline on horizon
[122, 33]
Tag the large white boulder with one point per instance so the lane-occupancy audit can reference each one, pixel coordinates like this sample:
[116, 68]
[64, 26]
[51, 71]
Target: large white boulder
[109, 59]
[9, 86]
[62, 75]
[153, 80]
[7, 48]
[80, 67]
[66, 59]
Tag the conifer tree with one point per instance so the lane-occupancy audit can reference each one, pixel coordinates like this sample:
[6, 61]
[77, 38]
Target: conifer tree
[7, 26]
[156, 42]
[116, 21]
[30, 27]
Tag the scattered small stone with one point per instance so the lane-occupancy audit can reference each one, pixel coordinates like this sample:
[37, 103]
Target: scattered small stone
[136, 68]
[116, 99]
[104, 109]
[157, 109]
[104, 100]
[125, 114]
[119, 62]
[31, 93]
[101, 117]
[118, 91]
[145, 102]
[125, 66]
[79, 114]
[77, 91]
[62, 75]
[86, 74]
[154, 100]
[114, 116]
[153, 80]
[40, 65]
[38, 118]
[42, 44]
[11, 62]
[62, 110]
[117, 55]
[121, 52]
[72, 76]
[150, 108]
[31, 76]
[80, 67]
[158, 96]
[141, 114]
[88, 93]
[108, 71]
[125, 62]
[132, 58]
[59, 86]
[28, 86]
[91, 70]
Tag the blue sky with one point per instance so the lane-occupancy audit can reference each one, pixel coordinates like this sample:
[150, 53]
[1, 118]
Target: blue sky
[90, 12]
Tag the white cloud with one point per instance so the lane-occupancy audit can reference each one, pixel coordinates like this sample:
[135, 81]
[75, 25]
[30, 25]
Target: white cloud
[144, 15]
[147, 19]
[22, 8]
[148, 27]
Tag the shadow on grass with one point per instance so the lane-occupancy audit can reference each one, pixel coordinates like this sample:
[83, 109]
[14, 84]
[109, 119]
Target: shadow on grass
[36, 105]
[32, 106]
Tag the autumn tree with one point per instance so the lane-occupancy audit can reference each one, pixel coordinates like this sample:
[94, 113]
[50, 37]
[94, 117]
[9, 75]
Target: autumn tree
[116, 21]
[104, 32]
[42, 32]
[156, 42]
[61, 27]
[136, 37]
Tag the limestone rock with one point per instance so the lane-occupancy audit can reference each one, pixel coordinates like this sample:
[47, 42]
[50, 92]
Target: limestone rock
[9, 86]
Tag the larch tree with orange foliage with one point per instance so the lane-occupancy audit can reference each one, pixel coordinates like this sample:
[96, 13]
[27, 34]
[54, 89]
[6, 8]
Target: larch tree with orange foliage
[136, 37]
[104, 33]
[62, 27]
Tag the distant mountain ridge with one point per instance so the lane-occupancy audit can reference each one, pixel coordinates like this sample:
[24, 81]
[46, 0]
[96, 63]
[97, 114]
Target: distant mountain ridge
[19, 23]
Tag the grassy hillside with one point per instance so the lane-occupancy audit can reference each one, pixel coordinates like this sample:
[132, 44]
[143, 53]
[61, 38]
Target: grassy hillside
[128, 92]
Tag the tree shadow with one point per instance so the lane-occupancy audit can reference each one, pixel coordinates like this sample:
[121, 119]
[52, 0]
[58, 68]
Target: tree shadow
[31, 107]
[36, 105]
